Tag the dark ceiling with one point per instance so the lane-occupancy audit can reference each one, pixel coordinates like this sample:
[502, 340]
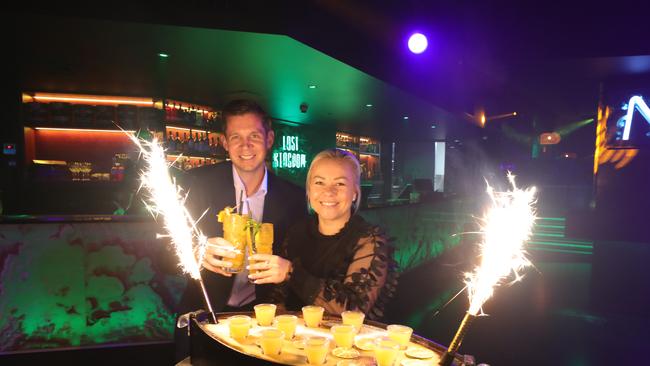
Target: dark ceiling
[545, 60]
[211, 66]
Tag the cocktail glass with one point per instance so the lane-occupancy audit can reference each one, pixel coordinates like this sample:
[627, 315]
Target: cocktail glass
[234, 231]
[262, 242]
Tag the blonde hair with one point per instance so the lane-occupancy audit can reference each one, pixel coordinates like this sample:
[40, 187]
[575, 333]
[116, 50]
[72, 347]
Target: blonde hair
[344, 157]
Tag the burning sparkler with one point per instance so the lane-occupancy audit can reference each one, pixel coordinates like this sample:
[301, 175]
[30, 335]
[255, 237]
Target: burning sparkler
[166, 199]
[507, 226]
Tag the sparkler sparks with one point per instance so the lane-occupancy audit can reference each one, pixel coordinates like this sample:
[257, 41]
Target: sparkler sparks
[508, 225]
[166, 199]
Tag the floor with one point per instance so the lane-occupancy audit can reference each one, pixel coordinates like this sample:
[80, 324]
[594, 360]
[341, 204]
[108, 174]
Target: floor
[556, 315]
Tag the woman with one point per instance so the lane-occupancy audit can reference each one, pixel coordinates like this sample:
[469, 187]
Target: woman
[334, 258]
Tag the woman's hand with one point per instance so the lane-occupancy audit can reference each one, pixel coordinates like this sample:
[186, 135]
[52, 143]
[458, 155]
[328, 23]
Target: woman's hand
[271, 268]
[216, 256]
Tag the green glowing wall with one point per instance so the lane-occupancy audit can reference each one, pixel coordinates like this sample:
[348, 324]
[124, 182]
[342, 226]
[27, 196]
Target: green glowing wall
[83, 284]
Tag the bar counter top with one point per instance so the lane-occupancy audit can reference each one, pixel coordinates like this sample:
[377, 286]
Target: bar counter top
[51, 219]
[62, 218]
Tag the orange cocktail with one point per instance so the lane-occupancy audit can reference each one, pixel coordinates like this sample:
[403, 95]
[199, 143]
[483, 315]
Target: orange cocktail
[262, 242]
[234, 231]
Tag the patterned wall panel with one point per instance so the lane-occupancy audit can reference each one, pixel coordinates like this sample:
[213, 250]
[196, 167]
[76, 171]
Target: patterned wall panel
[82, 284]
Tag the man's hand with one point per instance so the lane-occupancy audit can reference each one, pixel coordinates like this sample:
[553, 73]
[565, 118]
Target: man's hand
[216, 256]
[272, 268]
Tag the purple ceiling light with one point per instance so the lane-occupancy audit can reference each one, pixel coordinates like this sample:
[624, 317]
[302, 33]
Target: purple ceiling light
[418, 43]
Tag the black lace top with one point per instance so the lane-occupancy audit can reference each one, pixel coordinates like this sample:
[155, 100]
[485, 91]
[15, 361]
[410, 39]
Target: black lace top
[351, 270]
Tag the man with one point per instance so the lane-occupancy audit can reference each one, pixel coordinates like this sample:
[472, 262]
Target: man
[243, 181]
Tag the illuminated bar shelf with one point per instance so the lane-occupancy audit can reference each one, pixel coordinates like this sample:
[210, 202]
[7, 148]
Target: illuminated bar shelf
[71, 128]
[366, 149]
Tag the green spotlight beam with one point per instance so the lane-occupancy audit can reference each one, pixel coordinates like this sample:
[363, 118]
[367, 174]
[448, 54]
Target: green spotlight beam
[568, 129]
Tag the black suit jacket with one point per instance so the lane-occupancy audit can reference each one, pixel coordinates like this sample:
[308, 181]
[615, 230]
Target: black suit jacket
[211, 188]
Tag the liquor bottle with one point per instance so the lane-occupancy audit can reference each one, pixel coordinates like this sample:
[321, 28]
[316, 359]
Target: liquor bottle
[190, 145]
[197, 143]
[171, 143]
[213, 146]
[184, 144]
[205, 144]
[178, 143]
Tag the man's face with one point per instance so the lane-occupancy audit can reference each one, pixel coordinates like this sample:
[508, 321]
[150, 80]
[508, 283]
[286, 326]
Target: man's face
[247, 142]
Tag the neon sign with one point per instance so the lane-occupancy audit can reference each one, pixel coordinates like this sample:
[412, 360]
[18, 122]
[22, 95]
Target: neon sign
[289, 155]
[636, 102]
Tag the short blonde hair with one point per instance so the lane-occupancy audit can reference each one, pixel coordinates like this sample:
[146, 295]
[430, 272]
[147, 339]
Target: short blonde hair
[344, 157]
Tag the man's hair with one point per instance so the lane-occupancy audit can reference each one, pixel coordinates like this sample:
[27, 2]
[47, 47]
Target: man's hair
[240, 107]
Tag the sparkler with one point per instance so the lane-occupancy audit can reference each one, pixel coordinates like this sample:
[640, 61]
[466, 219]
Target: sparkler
[166, 199]
[507, 226]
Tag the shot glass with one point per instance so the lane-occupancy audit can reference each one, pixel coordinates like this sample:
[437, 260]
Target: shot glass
[312, 315]
[264, 313]
[316, 349]
[343, 335]
[239, 326]
[354, 318]
[386, 351]
[287, 324]
[400, 334]
[271, 341]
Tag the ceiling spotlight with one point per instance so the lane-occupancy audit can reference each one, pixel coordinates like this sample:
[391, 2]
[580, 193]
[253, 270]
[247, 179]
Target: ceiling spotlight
[405, 117]
[163, 55]
[312, 86]
[368, 105]
[418, 43]
[433, 126]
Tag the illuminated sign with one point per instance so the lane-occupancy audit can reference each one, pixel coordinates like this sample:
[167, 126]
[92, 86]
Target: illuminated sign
[289, 155]
[636, 102]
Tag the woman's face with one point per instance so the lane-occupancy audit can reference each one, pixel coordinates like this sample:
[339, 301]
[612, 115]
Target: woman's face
[331, 191]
